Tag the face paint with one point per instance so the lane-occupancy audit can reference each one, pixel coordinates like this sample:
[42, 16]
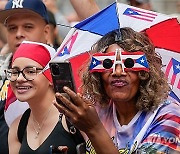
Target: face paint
[130, 61]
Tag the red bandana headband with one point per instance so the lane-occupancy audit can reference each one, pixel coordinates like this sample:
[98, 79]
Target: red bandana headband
[39, 52]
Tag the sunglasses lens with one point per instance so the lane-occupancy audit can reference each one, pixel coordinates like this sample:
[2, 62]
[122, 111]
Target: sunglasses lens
[107, 63]
[129, 63]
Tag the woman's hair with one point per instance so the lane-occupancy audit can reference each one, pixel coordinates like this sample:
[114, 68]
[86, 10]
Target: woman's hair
[153, 88]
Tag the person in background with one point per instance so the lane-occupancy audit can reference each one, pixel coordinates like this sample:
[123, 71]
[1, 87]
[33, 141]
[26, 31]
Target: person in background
[68, 16]
[53, 40]
[143, 4]
[3, 4]
[177, 14]
[4, 49]
[24, 20]
[41, 126]
[123, 106]
[84, 8]
[59, 17]
[2, 36]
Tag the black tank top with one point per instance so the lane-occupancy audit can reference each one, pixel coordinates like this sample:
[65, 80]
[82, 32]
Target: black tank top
[58, 137]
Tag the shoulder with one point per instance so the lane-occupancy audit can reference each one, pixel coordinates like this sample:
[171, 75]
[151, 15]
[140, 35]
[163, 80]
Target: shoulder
[14, 126]
[163, 133]
[20, 121]
[167, 117]
[13, 141]
[169, 107]
[12, 136]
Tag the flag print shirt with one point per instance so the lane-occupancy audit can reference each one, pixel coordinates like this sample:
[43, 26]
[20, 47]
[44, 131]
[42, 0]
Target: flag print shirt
[147, 132]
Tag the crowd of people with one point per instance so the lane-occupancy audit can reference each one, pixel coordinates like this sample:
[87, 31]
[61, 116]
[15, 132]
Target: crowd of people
[120, 108]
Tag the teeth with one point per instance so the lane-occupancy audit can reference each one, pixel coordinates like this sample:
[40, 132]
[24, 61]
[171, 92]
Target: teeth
[23, 88]
[119, 83]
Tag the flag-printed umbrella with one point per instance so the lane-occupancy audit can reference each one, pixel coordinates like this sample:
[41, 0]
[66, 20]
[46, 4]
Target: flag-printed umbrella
[84, 34]
[163, 30]
[165, 37]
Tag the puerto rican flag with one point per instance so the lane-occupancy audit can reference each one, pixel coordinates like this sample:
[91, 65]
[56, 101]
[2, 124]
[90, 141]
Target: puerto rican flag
[172, 71]
[171, 62]
[139, 58]
[139, 14]
[96, 64]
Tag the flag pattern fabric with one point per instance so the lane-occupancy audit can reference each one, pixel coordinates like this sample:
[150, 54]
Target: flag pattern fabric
[165, 130]
[13, 107]
[171, 62]
[161, 134]
[76, 44]
[175, 66]
[139, 14]
[96, 64]
[137, 18]
[139, 59]
[169, 49]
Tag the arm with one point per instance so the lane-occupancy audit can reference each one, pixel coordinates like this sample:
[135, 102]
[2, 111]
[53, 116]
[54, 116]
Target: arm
[85, 8]
[83, 115]
[14, 144]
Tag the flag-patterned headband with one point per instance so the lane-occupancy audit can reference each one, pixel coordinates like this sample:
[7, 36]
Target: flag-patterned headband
[130, 61]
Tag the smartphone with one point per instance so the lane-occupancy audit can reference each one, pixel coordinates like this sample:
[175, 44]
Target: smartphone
[62, 76]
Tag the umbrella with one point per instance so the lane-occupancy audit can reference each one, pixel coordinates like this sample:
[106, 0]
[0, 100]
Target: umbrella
[163, 30]
[84, 34]
[165, 37]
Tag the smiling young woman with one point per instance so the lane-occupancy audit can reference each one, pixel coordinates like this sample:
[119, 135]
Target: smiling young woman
[41, 126]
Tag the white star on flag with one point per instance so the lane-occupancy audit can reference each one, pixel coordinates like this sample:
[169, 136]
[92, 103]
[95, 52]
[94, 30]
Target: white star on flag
[94, 62]
[142, 60]
[178, 67]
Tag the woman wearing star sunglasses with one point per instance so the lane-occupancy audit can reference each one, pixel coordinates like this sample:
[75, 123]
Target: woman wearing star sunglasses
[124, 105]
[41, 129]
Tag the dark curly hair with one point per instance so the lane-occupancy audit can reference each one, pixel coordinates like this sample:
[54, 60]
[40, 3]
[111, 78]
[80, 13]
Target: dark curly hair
[153, 88]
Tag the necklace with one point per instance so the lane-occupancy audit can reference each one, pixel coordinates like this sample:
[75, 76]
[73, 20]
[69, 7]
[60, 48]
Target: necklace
[40, 126]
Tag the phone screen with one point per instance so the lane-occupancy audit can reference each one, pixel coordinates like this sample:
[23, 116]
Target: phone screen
[62, 76]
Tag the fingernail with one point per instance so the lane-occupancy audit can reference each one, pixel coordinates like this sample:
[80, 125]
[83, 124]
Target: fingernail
[65, 88]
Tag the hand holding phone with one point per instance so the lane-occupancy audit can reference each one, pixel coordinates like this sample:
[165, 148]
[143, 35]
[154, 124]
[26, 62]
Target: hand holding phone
[62, 76]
